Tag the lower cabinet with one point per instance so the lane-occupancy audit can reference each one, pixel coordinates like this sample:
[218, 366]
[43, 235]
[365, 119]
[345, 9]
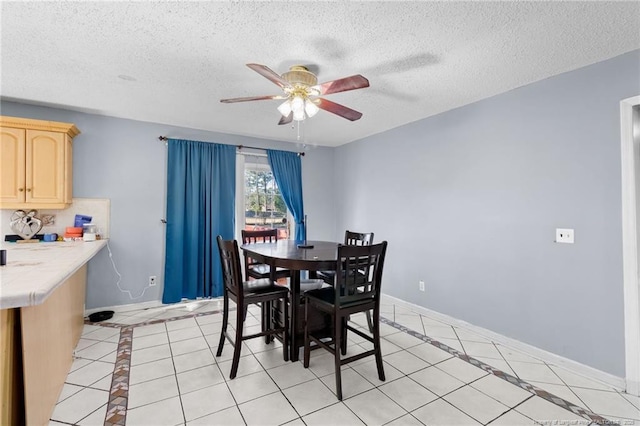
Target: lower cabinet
[37, 352]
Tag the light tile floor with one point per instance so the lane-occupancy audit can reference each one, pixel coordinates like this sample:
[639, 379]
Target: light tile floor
[158, 367]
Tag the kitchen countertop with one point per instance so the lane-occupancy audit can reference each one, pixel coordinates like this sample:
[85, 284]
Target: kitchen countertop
[34, 270]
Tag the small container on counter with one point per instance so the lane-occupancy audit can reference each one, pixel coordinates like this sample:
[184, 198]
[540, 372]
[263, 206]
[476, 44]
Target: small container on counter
[72, 233]
[89, 232]
[50, 237]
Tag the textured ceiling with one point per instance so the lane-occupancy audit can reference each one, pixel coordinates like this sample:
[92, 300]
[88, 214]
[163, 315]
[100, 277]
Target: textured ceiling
[171, 62]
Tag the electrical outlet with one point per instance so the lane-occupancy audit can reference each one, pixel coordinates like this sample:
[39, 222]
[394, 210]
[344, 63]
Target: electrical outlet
[152, 280]
[421, 284]
[565, 236]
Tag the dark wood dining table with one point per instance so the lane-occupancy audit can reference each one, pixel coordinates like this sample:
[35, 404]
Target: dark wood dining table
[286, 254]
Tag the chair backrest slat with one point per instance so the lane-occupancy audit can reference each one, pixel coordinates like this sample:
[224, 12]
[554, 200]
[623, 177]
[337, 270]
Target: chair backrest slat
[253, 237]
[358, 238]
[359, 273]
[263, 236]
[231, 271]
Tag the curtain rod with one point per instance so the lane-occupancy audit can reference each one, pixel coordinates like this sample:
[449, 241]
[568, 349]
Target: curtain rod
[164, 138]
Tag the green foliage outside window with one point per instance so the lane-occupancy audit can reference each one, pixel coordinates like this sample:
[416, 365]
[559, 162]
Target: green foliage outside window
[262, 196]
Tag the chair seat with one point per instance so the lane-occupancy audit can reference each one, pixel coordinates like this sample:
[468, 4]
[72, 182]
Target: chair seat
[262, 287]
[260, 270]
[326, 276]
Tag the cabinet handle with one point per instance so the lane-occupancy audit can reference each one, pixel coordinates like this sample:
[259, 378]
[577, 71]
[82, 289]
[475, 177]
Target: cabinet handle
[20, 189]
[28, 189]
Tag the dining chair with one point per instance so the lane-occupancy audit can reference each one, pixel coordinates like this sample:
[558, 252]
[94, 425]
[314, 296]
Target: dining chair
[353, 293]
[253, 268]
[350, 239]
[245, 293]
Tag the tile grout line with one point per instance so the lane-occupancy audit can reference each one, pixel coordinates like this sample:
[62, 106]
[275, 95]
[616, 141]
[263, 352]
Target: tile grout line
[117, 405]
[504, 358]
[566, 384]
[175, 370]
[119, 390]
[583, 412]
[438, 397]
[459, 340]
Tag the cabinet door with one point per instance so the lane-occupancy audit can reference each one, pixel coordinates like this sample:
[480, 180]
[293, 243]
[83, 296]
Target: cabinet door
[45, 168]
[12, 165]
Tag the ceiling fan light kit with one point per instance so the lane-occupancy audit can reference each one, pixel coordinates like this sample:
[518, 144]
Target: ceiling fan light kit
[301, 107]
[285, 108]
[302, 91]
[310, 108]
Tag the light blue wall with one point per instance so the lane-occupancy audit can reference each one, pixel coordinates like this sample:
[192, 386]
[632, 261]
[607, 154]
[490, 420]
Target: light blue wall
[469, 201]
[123, 160]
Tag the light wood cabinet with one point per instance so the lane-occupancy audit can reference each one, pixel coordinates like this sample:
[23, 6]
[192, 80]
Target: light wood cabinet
[35, 163]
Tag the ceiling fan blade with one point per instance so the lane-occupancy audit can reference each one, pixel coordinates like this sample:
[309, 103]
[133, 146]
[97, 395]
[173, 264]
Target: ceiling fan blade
[252, 98]
[269, 74]
[343, 84]
[341, 110]
[286, 120]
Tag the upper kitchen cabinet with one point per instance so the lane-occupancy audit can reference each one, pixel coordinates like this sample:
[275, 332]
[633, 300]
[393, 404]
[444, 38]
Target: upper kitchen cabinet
[35, 163]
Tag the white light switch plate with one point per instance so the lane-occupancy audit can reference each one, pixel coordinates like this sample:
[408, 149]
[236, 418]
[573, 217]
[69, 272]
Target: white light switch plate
[564, 236]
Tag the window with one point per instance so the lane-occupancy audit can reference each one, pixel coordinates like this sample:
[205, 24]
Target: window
[262, 206]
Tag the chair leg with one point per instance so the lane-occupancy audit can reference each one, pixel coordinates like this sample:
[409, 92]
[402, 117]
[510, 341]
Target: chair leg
[307, 343]
[267, 324]
[343, 333]
[238, 345]
[285, 334]
[339, 321]
[369, 321]
[376, 344]
[225, 321]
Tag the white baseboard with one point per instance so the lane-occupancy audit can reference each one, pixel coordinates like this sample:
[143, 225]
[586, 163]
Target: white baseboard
[125, 308]
[551, 358]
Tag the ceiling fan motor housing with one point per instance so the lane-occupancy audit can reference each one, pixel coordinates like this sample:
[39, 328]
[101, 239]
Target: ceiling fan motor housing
[300, 75]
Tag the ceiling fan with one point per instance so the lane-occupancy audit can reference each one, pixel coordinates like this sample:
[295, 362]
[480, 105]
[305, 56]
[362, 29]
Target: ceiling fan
[302, 93]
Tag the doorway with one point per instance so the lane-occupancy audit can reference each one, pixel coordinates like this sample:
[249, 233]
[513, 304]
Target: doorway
[630, 149]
